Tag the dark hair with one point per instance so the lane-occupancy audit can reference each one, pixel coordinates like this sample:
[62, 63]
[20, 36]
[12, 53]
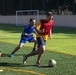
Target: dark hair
[49, 14]
[31, 19]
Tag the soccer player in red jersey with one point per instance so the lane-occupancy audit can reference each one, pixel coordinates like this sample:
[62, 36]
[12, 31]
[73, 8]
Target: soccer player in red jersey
[44, 30]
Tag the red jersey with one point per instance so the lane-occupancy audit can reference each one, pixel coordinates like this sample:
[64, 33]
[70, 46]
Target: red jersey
[46, 25]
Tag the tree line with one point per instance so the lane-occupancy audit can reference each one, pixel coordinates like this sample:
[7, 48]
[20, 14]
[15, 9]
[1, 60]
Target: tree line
[9, 7]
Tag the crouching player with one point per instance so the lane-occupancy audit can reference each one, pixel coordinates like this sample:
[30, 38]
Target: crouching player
[27, 35]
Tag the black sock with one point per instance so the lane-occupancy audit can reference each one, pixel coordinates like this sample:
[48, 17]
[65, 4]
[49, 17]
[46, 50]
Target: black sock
[34, 49]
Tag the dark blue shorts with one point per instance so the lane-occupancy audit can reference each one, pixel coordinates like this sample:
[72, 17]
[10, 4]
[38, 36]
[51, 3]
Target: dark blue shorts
[24, 39]
[41, 41]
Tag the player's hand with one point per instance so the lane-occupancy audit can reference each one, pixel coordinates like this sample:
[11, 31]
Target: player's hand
[50, 37]
[42, 30]
[32, 34]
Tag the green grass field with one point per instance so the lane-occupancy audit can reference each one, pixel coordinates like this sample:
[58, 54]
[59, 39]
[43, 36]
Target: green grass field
[62, 48]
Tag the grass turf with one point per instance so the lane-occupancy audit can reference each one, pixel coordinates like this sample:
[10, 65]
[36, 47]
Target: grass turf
[61, 48]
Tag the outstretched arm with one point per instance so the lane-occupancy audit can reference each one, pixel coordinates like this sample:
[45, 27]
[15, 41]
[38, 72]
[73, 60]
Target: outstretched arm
[39, 31]
[25, 34]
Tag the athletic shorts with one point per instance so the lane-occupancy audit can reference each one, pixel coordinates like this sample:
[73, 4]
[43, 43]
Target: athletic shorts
[41, 41]
[24, 39]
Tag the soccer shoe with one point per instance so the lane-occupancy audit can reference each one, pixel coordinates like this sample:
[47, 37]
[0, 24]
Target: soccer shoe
[11, 55]
[24, 58]
[38, 64]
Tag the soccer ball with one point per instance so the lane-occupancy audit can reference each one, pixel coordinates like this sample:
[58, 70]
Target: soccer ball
[51, 63]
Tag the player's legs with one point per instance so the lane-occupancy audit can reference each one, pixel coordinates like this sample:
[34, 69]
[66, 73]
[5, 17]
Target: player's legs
[32, 39]
[25, 56]
[41, 48]
[35, 44]
[40, 51]
[22, 41]
[17, 48]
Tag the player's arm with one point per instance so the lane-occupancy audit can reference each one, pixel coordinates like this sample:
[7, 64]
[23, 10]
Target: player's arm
[37, 29]
[50, 34]
[34, 32]
[25, 34]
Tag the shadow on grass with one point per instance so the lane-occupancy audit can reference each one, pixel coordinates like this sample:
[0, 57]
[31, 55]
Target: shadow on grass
[11, 28]
[18, 29]
[7, 55]
[5, 64]
[65, 30]
[10, 64]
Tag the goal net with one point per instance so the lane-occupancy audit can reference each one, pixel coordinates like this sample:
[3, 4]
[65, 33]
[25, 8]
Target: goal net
[23, 16]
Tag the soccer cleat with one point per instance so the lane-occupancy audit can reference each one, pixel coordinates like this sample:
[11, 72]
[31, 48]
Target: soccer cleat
[11, 55]
[24, 58]
[38, 64]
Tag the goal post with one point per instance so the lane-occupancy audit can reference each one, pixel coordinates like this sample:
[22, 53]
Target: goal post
[23, 16]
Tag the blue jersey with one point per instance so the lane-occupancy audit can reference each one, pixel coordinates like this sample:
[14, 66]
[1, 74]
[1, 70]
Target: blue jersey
[28, 29]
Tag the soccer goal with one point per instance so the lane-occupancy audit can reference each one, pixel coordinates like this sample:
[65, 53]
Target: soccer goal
[23, 16]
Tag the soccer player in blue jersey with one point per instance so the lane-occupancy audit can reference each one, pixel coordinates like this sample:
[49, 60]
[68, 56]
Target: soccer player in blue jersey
[27, 35]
